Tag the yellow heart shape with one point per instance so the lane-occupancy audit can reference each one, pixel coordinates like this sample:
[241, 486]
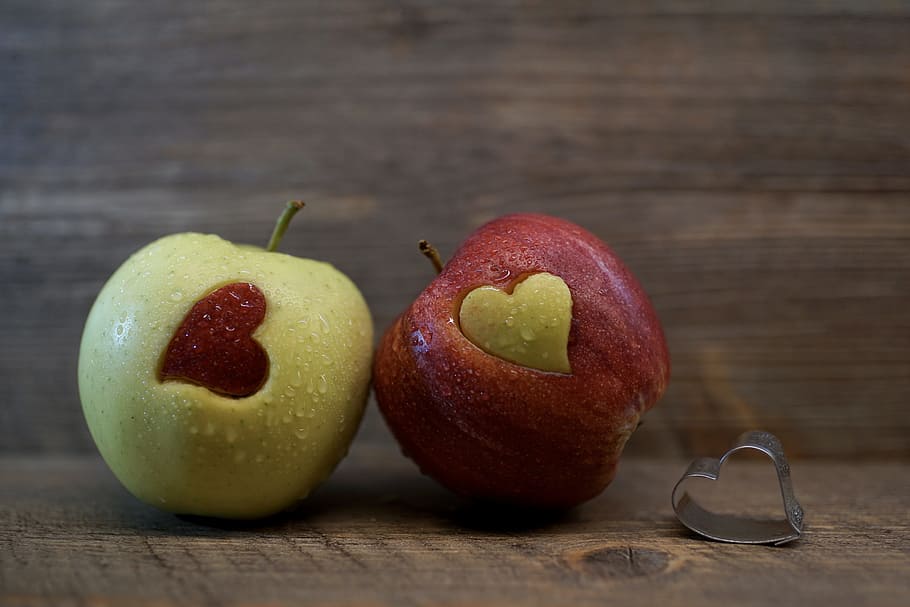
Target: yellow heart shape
[529, 327]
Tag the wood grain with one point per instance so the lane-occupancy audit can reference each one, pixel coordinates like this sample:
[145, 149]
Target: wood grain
[380, 534]
[749, 160]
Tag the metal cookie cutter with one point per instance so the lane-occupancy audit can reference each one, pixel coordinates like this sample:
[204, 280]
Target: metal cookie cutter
[728, 528]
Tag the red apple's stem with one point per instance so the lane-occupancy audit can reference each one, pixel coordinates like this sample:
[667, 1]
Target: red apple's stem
[282, 225]
[431, 253]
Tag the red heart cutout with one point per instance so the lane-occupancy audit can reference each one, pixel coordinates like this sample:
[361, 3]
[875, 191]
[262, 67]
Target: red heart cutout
[214, 346]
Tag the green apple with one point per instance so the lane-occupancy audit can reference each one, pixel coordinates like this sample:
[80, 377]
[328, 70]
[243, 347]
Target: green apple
[224, 380]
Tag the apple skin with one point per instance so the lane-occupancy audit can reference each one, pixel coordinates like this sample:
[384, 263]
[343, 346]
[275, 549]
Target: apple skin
[493, 430]
[186, 449]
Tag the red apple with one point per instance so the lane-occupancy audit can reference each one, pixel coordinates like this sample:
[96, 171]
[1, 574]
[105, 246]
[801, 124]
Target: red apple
[520, 372]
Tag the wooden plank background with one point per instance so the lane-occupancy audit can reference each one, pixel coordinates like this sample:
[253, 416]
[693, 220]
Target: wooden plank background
[749, 160]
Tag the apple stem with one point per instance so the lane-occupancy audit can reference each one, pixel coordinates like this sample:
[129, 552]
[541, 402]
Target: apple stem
[430, 252]
[282, 224]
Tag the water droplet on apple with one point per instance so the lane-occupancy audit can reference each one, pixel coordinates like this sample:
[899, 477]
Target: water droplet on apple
[500, 274]
[176, 296]
[509, 321]
[527, 334]
[325, 324]
[323, 384]
[301, 433]
[209, 429]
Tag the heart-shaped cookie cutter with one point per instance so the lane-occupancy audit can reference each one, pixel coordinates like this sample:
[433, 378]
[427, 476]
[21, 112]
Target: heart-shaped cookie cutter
[729, 528]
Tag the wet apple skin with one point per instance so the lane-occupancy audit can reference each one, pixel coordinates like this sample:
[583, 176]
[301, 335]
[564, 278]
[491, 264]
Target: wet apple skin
[213, 346]
[184, 448]
[494, 430]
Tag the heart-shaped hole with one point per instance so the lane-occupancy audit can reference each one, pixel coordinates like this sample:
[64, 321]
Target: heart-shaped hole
[528, 326]
[214, 345]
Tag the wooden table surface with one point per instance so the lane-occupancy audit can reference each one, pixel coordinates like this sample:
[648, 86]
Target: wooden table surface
[749, 160]
[378, 533]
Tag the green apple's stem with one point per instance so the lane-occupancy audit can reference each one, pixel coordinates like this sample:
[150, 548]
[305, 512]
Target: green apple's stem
[282, 225]
[431, 253]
